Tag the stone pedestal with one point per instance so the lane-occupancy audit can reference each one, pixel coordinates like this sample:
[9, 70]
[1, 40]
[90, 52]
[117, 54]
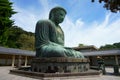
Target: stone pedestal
[59, 65]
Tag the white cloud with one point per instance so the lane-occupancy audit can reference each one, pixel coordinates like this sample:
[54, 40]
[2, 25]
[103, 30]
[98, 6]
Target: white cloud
[96, 33]
[27, 18]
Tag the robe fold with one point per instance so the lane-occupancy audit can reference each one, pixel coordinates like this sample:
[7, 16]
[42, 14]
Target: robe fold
[49, 41]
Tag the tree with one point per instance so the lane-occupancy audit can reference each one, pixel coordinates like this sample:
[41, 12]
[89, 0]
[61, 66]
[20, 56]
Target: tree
[112, 5]
[107, 47]
[112, 46]
[14, 34]
[6, 12]
[18, 38]
[81, 45]
[26, 42]
[117, 45]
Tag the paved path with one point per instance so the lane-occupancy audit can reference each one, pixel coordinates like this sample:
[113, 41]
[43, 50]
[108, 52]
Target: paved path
[4, 75]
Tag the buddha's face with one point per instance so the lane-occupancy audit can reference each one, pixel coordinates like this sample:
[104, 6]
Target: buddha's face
[58, 16]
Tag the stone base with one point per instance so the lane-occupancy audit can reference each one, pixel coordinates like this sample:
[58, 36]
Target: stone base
[59, 68]
[55, 76]
[59, 65]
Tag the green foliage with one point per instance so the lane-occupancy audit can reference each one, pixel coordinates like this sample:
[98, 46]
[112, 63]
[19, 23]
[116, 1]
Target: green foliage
[81, 45]
[6, 12]
[18, 38]
[13, 36]
[112, 5]
[14, 33]
[26, 42]
[117, 44]
[108, 46]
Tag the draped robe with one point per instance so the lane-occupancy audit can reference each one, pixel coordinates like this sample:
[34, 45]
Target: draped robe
[49, 41]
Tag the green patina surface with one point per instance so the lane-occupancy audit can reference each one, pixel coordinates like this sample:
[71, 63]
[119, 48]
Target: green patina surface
[49, 37]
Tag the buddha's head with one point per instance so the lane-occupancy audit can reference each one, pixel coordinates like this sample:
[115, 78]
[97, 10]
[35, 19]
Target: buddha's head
[57, 14]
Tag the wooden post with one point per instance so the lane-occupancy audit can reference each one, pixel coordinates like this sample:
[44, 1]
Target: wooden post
[13, 60]
[116, 67]
[26, 61]
[6, 61]
[19, 61]
[116, 60]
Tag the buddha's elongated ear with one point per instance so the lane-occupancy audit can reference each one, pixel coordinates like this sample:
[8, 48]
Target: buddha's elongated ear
[51, 16]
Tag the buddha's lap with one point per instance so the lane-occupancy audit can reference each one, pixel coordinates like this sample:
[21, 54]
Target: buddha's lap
[59, 51]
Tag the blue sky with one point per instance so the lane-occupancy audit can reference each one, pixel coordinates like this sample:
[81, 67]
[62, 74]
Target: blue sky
[85, 23]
